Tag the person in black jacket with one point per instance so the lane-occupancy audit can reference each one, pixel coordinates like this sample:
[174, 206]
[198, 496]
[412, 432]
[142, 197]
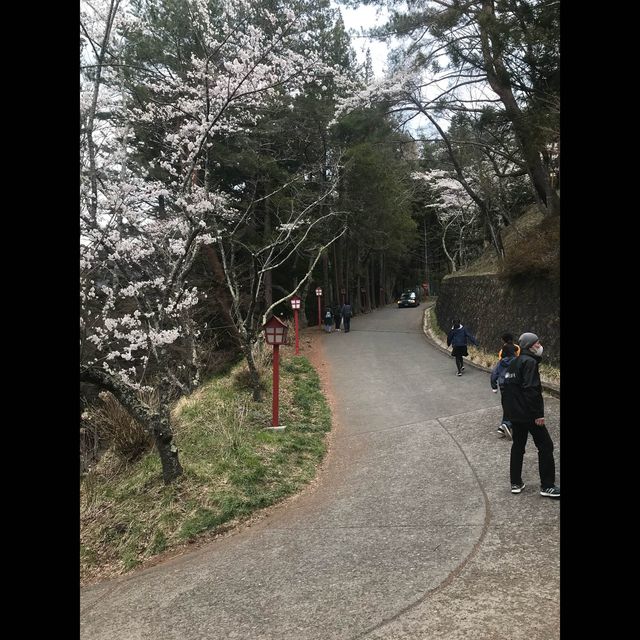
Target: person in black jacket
[337, 315]
[507, 354]
[524, 406]
[346, 313]
[458, 337]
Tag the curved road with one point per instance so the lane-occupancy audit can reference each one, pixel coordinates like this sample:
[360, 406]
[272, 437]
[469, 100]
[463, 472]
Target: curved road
[412, 531]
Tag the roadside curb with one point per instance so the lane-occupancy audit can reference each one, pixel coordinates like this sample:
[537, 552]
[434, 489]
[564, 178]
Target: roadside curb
[552, 389]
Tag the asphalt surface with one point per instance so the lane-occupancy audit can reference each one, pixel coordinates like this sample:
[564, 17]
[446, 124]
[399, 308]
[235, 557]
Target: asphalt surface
[412, 531]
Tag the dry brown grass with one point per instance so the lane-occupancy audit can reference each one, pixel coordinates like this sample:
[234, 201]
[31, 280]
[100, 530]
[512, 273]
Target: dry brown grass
[536, 254]
[532, 249]
[125, 436]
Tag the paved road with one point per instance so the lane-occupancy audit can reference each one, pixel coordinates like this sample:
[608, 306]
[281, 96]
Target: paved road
[411, 533]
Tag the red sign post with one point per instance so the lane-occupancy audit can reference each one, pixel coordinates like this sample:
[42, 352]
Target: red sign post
[295, 305]
[275, 333]
[319, 295]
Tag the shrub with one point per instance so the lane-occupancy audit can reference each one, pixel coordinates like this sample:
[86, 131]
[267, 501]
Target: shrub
[112, 422]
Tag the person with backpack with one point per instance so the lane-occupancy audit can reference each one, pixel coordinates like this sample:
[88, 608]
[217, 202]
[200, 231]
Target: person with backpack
[524, 406]
[346, 312]
[458, 336]
[328, 320]
[506, 355]
[337, 315]
[507, 343]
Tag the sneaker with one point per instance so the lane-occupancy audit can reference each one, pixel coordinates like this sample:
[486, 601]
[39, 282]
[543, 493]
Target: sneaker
[550, 492]
[461, 368]
[459, 373]
[494, 390]
[507, 431]
[517, 488]
[500, 431]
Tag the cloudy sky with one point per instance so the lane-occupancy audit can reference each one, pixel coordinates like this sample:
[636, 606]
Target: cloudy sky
[354, 20]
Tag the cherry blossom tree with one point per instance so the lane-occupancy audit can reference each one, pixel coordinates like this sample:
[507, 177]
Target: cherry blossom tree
[455, 210]
[144, 223]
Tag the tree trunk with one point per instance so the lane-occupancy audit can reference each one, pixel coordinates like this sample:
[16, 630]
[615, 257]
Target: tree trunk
[347, 274]
[221, 292]
[336, 278]
[357, 307]
[426, 258]
[268, 278]
[156, 423]
[304, 294]
[254, 376]
[163, 437]
[383, 295]
[369, 299]
[452, 262]
[496, 239]
[500, 81]
[326, 283]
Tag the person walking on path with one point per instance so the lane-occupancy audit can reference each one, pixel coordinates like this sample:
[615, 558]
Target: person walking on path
[346, 313]
[337, 315]
[458, 337]
[506, 355]
[524, 406]
[328, 320]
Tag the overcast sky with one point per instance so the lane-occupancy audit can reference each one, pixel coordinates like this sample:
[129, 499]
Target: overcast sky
[355, 19]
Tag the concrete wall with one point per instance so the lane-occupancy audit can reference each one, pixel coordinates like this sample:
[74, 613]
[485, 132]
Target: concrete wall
[489, 306]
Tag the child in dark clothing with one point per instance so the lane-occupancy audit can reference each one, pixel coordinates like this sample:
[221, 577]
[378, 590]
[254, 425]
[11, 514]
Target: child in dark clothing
[508, 352]
[337, 315]
[328, 320]
[508, 348]
[458, 336]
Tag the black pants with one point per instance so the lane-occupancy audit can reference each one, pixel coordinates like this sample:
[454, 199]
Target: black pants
[544, 444]
[347, 323]
[459, 363]
[337, 321]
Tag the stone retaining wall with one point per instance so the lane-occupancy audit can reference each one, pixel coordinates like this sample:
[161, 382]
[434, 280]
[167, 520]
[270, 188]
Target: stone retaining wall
[488, 306]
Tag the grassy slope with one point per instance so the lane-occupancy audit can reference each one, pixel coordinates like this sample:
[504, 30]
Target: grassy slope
[232, 467]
